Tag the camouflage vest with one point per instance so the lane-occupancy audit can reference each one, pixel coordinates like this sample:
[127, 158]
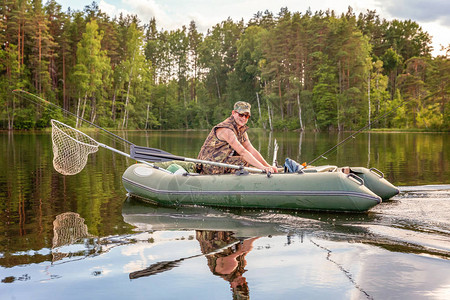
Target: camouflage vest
[217, 150]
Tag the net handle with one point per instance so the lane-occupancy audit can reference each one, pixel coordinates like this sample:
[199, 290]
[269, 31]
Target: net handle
[57, 124]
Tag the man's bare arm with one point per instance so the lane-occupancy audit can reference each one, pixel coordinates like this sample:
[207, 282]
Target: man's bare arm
[248, 145]
[229, 136]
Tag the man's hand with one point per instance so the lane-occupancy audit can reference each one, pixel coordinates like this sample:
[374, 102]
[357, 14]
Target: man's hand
[274, 169]
[270, 169]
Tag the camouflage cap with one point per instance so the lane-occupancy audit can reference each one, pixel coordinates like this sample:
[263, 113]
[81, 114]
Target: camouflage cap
[242, 107]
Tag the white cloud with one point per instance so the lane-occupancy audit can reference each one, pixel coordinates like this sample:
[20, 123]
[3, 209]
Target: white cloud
[432, 15]
[145, 9]
[440, 36]
[418, 10]
[109, 9]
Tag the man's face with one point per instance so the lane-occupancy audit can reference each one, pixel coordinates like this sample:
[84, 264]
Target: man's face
[241, 119]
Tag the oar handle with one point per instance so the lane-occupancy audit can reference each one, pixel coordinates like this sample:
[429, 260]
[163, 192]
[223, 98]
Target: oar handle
[129, 156]
[218, 164]
[154, 154]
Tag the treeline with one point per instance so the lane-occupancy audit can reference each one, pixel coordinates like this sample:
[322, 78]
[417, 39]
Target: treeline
[308, 70]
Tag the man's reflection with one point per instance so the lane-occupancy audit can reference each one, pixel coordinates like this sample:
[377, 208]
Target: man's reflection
[230, 262]
[225, 256]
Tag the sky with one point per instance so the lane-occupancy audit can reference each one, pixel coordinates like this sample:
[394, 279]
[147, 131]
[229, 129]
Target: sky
[432, 15]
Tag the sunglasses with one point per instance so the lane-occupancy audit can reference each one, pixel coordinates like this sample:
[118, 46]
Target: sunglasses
[247, 116]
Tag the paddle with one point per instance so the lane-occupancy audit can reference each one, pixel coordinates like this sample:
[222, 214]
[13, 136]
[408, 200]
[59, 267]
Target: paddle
[158, 155]
[159, 267]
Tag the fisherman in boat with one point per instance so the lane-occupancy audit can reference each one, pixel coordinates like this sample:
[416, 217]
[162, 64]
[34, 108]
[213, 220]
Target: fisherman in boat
[228, 143]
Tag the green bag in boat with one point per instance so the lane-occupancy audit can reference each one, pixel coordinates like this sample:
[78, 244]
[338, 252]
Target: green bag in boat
[176, 169]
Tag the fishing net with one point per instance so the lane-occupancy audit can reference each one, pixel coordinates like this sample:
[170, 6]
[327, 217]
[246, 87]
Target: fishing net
[71, 148]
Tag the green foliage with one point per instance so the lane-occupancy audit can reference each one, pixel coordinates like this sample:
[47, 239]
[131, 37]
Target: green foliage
[315, 70]
[46, 116]
[324, 93]
[286, 124]
[25, 118]
[92, 70]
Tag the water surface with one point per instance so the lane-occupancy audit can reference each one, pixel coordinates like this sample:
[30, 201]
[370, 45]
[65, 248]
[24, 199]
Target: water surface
[80, 236]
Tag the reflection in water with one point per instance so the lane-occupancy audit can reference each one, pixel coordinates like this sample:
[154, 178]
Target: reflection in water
[68, 228]
[399, 249]
[158, 267]
[346, 272]
[230, 263]
[225, 255]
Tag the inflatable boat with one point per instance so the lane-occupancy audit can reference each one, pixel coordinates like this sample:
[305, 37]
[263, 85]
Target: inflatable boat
[324, 188]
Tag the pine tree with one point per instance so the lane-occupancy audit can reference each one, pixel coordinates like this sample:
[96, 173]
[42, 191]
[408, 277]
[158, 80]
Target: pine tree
[132, 68]
[93, 66]
[42, 50]
[195, 38]
[413, 89]
[438, 81]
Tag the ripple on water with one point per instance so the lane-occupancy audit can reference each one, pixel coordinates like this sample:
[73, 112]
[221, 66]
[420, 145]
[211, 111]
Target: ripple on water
[419, 216]
[420, 205]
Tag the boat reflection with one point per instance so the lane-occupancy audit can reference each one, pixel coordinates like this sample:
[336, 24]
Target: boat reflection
[226, 236]
[218, 227]
[243, 223]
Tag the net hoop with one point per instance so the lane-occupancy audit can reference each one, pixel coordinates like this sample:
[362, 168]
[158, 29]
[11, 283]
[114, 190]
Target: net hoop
[71, 148]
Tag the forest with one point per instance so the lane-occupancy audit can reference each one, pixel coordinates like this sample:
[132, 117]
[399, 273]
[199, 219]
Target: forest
[299, 70]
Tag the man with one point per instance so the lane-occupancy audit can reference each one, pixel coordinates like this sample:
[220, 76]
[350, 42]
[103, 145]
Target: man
[228, 143]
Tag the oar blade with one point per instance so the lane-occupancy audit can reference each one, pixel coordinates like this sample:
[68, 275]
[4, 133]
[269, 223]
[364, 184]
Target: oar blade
[155, 269]
[152, 154]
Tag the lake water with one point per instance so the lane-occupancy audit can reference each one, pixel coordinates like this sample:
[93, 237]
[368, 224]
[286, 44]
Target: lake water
[80, 237]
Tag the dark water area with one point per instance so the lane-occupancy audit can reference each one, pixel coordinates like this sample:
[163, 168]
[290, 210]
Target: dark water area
[72, 237]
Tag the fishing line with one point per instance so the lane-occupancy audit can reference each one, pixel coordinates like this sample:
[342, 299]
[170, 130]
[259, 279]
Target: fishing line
[141, 154]
[352, 136]
[347, 273]
[31, 97]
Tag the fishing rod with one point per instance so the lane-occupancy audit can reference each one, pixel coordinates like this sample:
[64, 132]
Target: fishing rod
[352, 136]
[19, 92]
[137, 153]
